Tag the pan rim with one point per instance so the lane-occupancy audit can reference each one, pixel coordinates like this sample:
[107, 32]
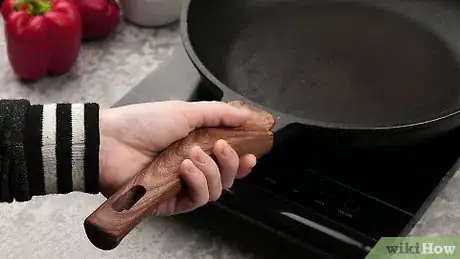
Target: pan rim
[186, 42]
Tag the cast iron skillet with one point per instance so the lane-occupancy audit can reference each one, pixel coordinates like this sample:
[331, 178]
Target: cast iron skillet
[362, 73]
[355, 73]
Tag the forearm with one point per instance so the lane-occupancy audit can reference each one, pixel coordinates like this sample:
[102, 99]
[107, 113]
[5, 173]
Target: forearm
[56, 151]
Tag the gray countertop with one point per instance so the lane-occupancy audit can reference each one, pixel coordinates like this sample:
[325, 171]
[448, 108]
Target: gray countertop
[104, 72]
[52, 226]
[443, 216]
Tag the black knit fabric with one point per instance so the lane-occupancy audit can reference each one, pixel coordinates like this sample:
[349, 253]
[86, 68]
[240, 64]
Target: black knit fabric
[5, 191]
[24, 171]
[92, 140]
[13, 122]
[64, 148]
[33, 152]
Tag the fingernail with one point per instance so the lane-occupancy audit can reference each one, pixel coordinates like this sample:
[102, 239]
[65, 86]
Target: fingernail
[190, 167]
[253, 165]
[226, 149]
[201, 157]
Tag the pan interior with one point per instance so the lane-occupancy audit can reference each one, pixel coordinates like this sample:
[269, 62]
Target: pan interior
[337, 62]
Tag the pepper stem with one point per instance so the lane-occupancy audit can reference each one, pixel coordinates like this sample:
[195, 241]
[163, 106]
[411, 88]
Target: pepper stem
[34, 7]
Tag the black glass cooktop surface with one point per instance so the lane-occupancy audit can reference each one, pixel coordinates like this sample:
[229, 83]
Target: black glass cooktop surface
[399, 176]
[358, 187]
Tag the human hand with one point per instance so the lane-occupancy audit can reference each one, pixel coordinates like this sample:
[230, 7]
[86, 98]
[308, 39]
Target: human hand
[132, 136]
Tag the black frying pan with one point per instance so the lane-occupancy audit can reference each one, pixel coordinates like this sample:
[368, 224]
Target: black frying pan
[362, 72]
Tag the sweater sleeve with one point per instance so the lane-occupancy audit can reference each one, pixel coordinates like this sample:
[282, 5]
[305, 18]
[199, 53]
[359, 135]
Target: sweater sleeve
[48, 149]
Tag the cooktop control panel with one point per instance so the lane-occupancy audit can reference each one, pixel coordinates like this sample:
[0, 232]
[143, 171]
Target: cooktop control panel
[338, 202]
[286, 173]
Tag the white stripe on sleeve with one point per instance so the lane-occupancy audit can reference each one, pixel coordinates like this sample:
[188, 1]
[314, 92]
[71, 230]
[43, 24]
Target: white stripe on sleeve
[78, 146]
[49, 148]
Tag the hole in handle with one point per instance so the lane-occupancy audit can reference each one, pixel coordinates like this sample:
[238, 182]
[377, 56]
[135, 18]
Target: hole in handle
[129, 199]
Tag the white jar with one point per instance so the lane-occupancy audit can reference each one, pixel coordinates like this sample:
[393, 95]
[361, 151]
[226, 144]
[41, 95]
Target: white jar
[151, 13]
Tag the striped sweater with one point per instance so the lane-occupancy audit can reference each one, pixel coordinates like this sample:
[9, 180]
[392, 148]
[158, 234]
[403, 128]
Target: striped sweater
[48, 149]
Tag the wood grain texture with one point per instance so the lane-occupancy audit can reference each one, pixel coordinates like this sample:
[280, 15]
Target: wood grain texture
[120, 213]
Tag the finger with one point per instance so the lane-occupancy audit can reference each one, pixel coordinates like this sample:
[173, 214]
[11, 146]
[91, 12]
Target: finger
[247, 162]
[213, 114]
[228, 161]
[197, 186]
[210, 169]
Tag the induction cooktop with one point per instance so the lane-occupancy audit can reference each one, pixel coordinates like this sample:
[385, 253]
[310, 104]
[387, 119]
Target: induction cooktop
[335, 201]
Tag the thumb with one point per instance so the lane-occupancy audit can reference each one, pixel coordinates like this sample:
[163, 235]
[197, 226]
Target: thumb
[214, 114]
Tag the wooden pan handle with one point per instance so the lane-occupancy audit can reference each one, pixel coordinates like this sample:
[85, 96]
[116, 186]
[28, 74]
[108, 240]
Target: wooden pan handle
[119, 214]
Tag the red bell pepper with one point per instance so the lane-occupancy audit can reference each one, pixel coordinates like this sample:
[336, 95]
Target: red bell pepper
[42, 36]
[99, 17]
